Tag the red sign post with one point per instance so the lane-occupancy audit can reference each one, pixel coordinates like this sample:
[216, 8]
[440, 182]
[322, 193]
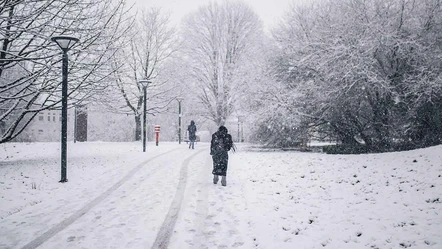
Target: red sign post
[157, 134]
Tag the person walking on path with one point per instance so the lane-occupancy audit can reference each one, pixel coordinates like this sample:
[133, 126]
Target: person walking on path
[219, 146]
[192, 134]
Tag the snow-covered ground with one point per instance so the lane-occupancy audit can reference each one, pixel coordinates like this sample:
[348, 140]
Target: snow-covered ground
[120, 197]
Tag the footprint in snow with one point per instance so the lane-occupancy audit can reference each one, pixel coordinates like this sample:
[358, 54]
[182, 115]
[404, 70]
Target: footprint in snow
[210, 233]
[238, 244]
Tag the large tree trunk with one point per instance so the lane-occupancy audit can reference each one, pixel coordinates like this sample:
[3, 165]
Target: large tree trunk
[381, 107]
[137, 127]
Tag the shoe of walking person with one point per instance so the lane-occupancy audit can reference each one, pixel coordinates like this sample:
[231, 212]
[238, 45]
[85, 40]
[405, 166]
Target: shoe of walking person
[223, 181]
[215, 179]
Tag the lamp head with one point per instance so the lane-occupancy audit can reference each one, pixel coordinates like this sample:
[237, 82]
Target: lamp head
[144, 82]
[65, 42]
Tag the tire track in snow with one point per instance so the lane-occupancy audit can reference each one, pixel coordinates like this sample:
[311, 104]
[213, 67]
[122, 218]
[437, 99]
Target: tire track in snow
[71, 219]
[202, 206]
[166, 229]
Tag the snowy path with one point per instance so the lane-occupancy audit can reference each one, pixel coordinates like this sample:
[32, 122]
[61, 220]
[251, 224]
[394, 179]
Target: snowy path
[212, 215]
[132, 216]
[166, 230]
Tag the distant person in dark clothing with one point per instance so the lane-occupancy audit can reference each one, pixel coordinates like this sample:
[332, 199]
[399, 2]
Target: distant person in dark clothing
[221, 143]
[192, 134]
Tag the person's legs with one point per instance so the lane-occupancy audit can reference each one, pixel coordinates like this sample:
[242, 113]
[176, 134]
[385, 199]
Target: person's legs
[223, 181]
[193, 144]
[223, 162]
[220, 167]
[215, 169]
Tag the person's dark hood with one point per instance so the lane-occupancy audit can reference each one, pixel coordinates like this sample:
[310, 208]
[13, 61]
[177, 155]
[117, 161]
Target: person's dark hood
[222, 130]
[192, 122]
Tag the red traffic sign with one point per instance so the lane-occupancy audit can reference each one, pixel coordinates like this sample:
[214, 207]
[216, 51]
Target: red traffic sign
[157, 128]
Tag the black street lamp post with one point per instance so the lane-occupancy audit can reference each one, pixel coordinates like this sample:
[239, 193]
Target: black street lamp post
[144, 84]
[65, 43]
[240, 128]
[242, 131]
[179, 99]
[238, 132]
[75, 125]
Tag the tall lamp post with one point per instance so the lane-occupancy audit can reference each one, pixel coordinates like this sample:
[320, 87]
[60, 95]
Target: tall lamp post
[242, 130]
[65, 43]
[240, 123]
[75, 124]
[144, 83]
[179, 99]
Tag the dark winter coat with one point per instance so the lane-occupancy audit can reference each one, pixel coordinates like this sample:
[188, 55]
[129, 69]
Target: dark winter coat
[219, 146]
[192, 131]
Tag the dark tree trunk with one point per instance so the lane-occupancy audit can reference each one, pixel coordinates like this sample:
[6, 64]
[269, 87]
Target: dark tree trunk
[81, 124]
[381, 121]
[137, 127]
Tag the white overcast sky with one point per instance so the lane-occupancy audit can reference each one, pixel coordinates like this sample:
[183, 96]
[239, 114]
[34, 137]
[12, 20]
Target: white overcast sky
[270, 11]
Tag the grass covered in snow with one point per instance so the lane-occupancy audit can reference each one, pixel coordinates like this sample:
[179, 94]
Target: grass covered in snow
[391, 200]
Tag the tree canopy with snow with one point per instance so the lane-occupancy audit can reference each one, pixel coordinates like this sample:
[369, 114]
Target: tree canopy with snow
[363, 72]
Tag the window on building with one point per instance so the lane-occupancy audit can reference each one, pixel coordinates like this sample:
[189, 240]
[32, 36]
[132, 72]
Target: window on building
[40, 118]
[49, 118]
[53, 118]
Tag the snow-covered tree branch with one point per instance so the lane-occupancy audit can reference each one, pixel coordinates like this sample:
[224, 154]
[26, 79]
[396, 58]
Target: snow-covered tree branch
[221, 41]
[30, 75]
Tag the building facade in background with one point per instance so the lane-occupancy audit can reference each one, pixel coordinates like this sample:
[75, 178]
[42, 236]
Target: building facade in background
[92, 124]
[46, 127]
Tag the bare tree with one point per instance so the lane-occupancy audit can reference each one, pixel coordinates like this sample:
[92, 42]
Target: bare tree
[30, 79]
[145, 56]
[221, 44]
